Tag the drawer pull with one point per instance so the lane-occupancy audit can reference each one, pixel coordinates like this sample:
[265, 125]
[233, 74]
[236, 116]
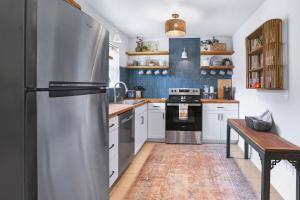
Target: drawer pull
[156, 106]
[112, 173]
[220, 107]
[112, 125]
[112, 146]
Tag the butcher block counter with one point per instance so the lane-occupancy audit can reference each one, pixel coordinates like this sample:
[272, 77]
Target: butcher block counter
[117, 109]
[219, 101]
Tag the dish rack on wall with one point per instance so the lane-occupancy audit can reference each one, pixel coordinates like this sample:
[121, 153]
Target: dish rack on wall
[264, 57]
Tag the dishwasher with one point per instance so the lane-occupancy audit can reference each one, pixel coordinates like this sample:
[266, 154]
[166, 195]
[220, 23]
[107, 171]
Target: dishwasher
[126, 140]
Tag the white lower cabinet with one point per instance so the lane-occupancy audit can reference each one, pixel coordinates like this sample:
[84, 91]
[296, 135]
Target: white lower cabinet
[215, 122]
[113, 150]
[140, 128]
[156, 121]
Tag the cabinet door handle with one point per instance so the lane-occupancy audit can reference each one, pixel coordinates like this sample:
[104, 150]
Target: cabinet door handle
[219, 117]
[112, 146]
[126, 119]
[155, 106]
[163, 115]
[112, 173]
[142, 117]
[222, 117]
[112, 125]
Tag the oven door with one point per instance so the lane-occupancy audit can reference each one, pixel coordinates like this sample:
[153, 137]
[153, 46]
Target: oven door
[192, 123]
[186, 131]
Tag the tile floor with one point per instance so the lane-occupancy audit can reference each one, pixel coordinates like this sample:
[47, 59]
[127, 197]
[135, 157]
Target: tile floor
[120, 188]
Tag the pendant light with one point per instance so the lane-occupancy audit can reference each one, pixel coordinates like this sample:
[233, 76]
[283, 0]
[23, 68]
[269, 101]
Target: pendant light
[184, 54]
[175, 27]
[117, 38]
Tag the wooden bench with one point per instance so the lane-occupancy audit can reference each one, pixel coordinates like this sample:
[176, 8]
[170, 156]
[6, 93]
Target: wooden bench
[271, 149]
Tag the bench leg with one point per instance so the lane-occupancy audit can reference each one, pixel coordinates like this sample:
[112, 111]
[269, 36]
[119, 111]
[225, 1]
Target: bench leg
[298, 180]
[265, 178]
[228, 142]
[246, 150]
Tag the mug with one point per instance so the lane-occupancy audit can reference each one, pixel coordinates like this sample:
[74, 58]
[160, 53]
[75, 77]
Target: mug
[148, 72]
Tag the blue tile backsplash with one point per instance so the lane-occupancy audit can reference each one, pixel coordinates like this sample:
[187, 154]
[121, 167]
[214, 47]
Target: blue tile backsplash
[182, 73]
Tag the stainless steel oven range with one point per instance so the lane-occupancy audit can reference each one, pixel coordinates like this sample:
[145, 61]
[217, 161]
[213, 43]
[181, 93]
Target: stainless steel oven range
[184, 116]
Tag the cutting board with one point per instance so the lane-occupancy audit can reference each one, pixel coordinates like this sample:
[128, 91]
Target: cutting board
[221, 84]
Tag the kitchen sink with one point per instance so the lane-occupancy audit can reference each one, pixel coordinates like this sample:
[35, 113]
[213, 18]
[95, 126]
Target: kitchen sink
[129, 102]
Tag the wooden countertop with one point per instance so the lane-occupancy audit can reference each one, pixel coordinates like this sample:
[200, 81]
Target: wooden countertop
[117, 109]
[153, 100]
[218, 101]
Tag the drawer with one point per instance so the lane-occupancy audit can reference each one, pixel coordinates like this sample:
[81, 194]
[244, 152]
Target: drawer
[156, 106]
[113, 123]
[113, 143]
[221, 106]
[139, 110]
[113, 170]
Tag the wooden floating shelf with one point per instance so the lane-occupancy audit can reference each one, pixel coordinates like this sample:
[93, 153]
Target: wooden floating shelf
[217, 67]
[147, 53]
[256, 70]
[209, 53]
[257, 51]
[148, 67]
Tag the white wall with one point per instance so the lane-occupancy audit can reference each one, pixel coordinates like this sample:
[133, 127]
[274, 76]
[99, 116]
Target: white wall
[283, 104]
[88, 8]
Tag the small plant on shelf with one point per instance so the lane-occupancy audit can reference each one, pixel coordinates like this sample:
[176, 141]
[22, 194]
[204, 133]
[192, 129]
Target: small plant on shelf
[206, 44]
[140, 47]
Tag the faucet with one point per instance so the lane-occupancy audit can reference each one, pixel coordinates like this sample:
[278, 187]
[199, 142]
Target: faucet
[115, 91]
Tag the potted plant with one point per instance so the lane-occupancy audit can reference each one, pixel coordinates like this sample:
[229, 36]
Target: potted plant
[140, 47]
[206, 44]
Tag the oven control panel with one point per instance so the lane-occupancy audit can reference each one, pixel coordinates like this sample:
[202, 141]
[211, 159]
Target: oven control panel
[184, 91]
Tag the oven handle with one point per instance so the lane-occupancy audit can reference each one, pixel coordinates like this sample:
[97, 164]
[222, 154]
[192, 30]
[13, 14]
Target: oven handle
[189, 104]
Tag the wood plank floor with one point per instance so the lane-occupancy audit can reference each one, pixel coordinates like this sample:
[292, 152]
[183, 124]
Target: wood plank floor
[120, 188]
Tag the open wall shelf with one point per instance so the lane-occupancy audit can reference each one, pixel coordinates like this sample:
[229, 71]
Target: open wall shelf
[147, 53]
[217, 67]
[211, 53]
[264, 56]
[147, 67]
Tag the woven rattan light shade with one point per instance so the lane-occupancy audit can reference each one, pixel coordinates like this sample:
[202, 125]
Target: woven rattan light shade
[175, 27]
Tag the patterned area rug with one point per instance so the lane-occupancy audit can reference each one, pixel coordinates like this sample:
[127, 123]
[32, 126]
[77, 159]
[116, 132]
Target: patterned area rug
[190, 172]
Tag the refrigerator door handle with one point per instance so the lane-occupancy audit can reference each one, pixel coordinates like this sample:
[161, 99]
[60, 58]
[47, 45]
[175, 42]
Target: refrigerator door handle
[64, 89]
[60, 84]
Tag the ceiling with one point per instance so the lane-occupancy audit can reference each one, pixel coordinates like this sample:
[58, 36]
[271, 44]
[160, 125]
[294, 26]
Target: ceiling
[146, 18]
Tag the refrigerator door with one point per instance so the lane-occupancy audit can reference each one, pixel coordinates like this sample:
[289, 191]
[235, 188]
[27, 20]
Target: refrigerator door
[71, 46]
[72, 149]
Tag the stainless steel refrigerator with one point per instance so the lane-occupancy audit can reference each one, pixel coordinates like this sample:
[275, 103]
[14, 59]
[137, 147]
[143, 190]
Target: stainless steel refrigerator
[54, 105]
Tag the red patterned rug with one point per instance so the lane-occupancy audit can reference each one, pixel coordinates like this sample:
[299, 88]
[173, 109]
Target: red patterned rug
[190, 172]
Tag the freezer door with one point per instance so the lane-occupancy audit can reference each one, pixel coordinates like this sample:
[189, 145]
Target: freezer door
[71, 46]
[72, 149]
